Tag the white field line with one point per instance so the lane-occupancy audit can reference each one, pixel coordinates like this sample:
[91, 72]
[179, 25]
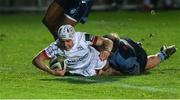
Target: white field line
[129, 86]
[149, 88]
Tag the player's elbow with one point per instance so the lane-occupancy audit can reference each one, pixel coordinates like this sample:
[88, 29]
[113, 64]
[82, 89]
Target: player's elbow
[34, 61]
[110, 42]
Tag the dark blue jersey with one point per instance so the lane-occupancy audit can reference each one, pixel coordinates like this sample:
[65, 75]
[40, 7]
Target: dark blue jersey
[127, 56]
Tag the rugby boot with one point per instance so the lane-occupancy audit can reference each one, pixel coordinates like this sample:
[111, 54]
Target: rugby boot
[168, 50]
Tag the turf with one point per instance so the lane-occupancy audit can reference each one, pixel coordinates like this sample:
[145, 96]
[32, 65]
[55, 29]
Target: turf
[22, 36]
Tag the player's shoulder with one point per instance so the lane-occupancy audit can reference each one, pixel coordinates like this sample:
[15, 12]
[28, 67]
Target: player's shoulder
[53, 45]
[84, 36]
[81, 35]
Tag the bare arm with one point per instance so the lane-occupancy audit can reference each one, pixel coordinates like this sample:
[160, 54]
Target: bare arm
[107, 47]
[39, 62]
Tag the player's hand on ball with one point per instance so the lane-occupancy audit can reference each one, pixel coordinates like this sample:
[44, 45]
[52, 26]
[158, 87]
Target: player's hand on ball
[59, 72]
[58, 68]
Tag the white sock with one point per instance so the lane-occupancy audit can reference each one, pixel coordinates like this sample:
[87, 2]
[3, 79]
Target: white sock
[162, 56]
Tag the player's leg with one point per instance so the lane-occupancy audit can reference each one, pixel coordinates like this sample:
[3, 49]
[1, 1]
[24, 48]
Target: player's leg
[164, 54]
[147, 5]
[66, 12]
[76, 11]
[53, 17]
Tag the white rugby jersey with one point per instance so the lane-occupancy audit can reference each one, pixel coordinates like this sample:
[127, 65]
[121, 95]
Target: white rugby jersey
[82, 59]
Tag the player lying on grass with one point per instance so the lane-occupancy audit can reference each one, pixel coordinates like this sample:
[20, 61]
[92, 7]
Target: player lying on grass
[87, 55]
[128, 57]
[80, 57]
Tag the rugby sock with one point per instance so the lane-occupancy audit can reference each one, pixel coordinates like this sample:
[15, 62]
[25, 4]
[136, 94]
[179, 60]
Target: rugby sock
[162, 56]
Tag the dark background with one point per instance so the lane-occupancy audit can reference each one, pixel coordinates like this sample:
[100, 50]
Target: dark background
[9, 6]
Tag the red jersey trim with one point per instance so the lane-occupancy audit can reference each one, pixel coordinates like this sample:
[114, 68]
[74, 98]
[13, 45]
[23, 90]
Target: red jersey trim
[44, 54]
[94, 40]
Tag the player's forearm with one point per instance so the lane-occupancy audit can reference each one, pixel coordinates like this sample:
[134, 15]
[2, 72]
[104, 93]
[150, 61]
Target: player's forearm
[41, 65]
[106, 43]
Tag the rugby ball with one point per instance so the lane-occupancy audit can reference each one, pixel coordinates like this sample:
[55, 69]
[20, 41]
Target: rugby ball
[55, 63]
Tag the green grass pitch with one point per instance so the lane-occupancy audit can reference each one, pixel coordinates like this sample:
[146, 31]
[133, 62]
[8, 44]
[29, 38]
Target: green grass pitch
[22, 36]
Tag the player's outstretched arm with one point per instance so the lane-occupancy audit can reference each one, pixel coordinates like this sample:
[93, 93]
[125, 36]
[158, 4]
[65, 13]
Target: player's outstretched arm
[39, 62]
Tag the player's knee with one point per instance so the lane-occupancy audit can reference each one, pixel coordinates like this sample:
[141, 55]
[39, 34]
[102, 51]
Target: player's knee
[50, 22]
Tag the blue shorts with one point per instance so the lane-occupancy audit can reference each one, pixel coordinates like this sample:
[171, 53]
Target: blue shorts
[76, 10]
[128, 58]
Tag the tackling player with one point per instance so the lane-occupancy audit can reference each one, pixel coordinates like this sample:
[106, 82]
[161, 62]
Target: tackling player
[128, 57]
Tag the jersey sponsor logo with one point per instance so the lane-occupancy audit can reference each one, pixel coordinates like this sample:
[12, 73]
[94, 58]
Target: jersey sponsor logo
[75, 60]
